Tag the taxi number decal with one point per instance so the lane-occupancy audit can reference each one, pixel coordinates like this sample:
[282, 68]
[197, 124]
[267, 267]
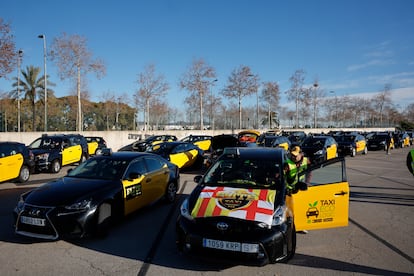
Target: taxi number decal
[133, 191]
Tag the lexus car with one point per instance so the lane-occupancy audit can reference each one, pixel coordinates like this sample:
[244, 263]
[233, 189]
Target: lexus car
[95, 194]
[240, 209]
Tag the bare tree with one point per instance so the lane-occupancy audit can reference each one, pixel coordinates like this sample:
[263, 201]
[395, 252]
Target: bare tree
[271, 96]
[382, 100]
[8, 54]
[241, 83]
[152, 86]
[296, 92]
[197, 80]
[74, 59]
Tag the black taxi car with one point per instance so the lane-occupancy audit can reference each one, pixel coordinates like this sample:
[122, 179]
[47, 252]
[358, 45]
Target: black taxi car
[16, 161]
[241, 210]
[351, 144]
[54, 151]
[95, 194]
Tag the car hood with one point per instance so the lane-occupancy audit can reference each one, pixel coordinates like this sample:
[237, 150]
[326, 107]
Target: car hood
[67, 190]
[247, 204]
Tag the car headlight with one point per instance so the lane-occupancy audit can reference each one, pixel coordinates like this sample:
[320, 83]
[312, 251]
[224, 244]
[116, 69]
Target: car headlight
[43, 156]
[80, 205]
[319, 152]
[185, 211]
[20, 203]
[279, 217]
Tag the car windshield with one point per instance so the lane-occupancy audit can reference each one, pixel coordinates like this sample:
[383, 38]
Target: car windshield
[314, 142]
[100, 168]
[46, 143]
[345, 138]
[244, 173]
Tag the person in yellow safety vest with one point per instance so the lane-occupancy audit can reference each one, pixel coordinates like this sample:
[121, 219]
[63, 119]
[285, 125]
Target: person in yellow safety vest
[296, 164]
[410, 161]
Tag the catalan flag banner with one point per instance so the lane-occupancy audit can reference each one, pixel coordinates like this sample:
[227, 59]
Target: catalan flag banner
[248, 204]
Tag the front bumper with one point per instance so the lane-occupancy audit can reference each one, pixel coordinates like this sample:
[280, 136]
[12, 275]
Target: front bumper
[272, 243]
[50, 224]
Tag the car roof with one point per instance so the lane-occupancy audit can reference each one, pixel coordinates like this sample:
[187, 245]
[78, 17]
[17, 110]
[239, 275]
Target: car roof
[125, 155]
[255, 153]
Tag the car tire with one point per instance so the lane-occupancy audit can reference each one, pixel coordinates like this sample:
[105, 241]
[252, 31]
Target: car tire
[98, 151]
[55, 166]
[103, 220]
[170, 192]
[353, 152]
[24, 174]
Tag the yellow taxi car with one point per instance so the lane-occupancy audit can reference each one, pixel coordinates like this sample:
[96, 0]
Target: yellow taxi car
[182, 154]
[95, 195]
[201, 141]
[320, 148]
[351, 144]
[16, 161]
[241, 209]
[248, 136]
[54, 151]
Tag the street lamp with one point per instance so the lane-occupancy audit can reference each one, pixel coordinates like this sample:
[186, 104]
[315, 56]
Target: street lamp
[19, 56]
[42, 36]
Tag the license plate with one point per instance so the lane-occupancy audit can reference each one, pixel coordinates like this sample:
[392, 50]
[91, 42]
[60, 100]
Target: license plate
[33, 221]
[231, 246]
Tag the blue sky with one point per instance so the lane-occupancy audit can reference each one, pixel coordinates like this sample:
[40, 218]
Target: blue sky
[351, 46]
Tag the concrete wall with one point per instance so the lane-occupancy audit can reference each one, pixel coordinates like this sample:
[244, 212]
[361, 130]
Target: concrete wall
[117, 139]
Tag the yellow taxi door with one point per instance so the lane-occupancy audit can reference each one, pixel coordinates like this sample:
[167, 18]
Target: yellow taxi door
[184, 155]
[331, 151]
[92, 146]
[71, 154]
[10, 166]
[325, 204]
[184, 159]
[204, 144]
[147, 187]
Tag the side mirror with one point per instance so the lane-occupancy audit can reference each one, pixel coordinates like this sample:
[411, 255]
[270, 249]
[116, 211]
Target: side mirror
[302, 186]
[198, 178]
[133, 176]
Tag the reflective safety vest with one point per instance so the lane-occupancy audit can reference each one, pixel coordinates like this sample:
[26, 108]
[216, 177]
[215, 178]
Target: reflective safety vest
[292, 175]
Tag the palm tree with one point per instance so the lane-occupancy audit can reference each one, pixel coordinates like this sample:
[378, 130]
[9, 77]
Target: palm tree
[29, 85]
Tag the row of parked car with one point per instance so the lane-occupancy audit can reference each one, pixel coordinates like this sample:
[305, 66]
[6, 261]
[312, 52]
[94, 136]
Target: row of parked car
[47, 153]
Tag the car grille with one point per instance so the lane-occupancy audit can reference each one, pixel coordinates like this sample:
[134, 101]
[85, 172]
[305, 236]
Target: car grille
[236, 228]
[46, 231]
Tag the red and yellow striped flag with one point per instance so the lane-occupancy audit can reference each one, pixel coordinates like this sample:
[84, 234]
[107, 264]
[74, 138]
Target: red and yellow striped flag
[248, 204]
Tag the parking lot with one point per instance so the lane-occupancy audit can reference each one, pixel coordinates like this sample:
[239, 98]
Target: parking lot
[377, 241]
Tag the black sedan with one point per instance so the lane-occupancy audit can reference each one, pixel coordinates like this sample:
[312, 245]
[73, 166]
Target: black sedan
[96, 193]
[241, 210]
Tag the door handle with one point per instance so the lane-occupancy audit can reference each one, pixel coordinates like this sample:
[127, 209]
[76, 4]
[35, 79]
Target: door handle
[341, 193]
